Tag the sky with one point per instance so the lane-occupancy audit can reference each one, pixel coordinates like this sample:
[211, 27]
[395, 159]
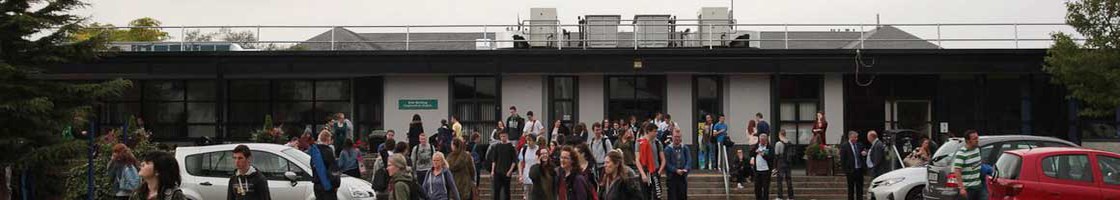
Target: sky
[451, 12]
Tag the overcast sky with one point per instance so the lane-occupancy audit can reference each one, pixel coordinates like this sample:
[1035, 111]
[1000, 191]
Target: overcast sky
[426, 12]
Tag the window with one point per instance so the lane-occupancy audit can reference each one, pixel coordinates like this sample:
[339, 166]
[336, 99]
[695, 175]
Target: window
[562, 97]
[177, 109]
[293, 104]
[1110, 169]
[1012, 145]
[708, 98]
[1068, 167]
[273, 166]
[640, 96]
[800, 99]
[474, 101]
[214, 164]
[985, 153]
[1008, 166]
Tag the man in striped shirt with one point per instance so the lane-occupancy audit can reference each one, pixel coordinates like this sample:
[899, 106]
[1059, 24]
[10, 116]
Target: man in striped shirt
[966, 166]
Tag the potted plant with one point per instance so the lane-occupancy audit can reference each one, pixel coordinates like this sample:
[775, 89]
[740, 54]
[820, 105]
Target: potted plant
[818, 160]
[267, 133]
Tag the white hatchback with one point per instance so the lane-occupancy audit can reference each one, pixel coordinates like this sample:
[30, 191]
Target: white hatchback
[206, 171]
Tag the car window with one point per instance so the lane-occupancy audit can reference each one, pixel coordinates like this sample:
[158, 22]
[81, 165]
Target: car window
[986, 152]
[213, 164]
[948, 150]
[1068, 167]
[1008, 166]
[273, 166]
[1054, 144]
[1110, 169]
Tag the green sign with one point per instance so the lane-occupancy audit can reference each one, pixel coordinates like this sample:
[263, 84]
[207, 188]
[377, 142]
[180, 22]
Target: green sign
[418, 104]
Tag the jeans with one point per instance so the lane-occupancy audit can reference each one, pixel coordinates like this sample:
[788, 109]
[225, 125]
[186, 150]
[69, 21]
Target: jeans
[762, 185]
[499, 187]
[977, 193]
[784, 175]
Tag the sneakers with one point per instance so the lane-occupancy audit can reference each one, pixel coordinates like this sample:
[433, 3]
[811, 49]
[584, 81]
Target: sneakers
[739, 185]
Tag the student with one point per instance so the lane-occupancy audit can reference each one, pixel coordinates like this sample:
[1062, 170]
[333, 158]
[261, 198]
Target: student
[160, 172]
[246, 183]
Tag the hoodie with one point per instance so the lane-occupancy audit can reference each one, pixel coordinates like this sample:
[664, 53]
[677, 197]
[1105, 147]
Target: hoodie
[401, 183]
[248, 186]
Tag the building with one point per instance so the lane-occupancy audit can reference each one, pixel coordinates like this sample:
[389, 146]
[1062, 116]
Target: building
[879, 79]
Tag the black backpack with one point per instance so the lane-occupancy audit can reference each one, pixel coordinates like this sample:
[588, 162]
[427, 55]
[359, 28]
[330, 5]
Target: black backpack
[414, 191]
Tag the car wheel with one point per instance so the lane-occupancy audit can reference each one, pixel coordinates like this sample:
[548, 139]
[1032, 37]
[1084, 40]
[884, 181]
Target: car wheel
[915, 193]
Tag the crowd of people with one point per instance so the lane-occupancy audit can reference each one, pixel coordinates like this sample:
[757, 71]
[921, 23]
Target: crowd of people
[612, 159]
[619, 159]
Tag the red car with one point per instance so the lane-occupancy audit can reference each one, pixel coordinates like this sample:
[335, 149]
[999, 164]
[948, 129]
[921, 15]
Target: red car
[1053, 173]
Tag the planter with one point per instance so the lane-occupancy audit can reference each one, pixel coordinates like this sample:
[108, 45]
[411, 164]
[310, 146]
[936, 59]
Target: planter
[816, 167]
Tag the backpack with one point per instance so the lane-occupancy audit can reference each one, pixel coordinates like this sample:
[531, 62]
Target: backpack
[414, 190]
[380, 179]
[129, 179]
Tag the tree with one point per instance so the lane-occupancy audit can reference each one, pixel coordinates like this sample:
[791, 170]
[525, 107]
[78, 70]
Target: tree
[35, 111]
[1091, 70]
[141, 30]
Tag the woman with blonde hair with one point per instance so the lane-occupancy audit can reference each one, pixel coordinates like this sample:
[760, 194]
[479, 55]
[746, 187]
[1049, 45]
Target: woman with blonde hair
[440, 184]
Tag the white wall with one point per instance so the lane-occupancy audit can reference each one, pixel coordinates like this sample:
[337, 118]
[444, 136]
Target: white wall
[744, 96]
[526, 92]
[592, 104]
[399, 87]
[1103, 146]
[834, 107]
[679, 100]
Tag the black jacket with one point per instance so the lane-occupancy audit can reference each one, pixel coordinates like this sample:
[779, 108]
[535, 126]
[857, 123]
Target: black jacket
[849, 160]
[877, 154]
[626, 188]
[767, 155]
[252, 186]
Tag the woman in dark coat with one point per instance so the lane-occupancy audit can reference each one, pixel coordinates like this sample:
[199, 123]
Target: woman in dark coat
[619, 182]
[572, 184]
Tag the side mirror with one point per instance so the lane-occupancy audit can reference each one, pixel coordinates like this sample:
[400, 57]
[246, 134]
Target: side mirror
[291, 176]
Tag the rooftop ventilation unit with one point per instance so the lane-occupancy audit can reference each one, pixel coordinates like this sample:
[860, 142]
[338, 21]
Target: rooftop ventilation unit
[601, 31]
[653, 31]
[543, 26]
[714, 27]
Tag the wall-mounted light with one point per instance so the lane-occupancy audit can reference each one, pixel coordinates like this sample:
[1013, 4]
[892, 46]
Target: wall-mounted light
[637, 63]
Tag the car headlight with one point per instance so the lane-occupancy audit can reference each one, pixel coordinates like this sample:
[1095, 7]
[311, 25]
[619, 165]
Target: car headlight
[358, 193]
[891, 181]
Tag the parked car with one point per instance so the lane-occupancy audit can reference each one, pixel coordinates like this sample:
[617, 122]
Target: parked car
[1056, 173]
[906, 183]
[206, 171]
[940, 167]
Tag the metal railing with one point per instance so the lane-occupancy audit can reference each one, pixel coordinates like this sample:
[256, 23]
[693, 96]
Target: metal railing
[944, 35]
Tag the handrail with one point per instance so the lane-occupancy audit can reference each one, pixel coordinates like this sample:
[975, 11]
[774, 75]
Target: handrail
[557, 38]
[725, 167]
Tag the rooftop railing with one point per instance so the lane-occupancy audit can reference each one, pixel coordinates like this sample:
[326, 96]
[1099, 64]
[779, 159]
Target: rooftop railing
[576, 36]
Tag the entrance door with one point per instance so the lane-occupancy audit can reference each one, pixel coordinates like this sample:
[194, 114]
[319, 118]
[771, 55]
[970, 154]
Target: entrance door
[909, 114]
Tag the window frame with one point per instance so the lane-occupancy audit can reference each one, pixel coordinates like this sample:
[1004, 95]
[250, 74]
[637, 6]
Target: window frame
[659, 79]
[481, 124]
[696, 112]
[553, 99]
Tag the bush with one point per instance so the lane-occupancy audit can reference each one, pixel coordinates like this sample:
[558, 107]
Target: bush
[76, 174]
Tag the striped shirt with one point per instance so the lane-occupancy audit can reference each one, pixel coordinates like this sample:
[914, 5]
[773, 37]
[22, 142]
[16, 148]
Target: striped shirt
[969, 163]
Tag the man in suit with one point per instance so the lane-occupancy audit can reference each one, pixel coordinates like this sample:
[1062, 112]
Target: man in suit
[875, 156]
[762, 158]
[851, 157]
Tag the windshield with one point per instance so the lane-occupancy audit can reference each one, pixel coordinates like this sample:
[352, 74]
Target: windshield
[947, 150]
[303, 158]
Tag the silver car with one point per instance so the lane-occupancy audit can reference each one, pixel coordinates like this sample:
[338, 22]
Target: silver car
[939, 166]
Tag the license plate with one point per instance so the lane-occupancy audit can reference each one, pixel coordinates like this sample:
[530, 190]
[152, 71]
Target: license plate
[932, 177]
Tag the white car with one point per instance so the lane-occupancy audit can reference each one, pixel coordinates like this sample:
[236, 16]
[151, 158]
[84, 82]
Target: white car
[206, 171]
[901, 184]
